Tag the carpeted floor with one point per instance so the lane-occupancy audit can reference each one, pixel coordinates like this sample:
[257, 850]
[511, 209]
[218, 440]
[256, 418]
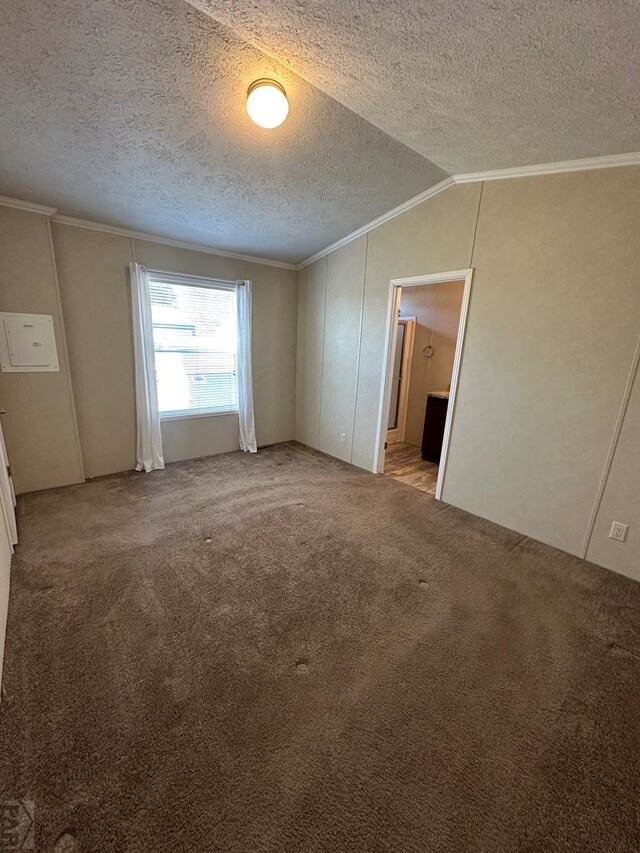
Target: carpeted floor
[283, 653]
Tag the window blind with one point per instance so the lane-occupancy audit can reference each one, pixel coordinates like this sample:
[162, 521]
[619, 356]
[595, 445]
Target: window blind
[195, 343]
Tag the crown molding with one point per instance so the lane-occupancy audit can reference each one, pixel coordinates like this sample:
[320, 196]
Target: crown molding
[168, 241]
[18, 204]
[608, 161]
[402, 208]
[605, 162]
[586, 164]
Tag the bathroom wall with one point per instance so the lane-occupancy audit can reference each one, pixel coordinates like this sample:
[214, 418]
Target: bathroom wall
[436, 308]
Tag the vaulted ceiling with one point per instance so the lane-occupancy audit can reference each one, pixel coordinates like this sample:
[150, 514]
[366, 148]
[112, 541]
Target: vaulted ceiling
[472, 85]
[131, 112]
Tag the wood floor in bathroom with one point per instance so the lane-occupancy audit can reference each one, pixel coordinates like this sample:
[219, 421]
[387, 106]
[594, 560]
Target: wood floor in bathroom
[404, 462]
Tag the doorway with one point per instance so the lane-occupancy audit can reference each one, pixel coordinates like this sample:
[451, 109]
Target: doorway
[421, 377]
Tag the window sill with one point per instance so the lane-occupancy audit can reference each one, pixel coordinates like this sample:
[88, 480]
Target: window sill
[189, 416]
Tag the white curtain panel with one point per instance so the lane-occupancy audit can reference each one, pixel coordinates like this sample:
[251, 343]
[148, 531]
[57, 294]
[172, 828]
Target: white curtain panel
[149, 442]
[245, 381]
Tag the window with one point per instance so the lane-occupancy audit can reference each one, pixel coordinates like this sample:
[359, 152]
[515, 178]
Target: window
[195, 344]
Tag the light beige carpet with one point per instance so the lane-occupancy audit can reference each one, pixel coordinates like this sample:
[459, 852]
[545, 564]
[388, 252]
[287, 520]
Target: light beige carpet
[283, 653]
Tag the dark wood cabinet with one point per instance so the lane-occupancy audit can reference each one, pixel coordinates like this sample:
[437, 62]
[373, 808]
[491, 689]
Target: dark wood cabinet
[434, 420]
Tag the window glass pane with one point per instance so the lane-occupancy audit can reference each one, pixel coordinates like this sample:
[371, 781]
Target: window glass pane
[194, 335]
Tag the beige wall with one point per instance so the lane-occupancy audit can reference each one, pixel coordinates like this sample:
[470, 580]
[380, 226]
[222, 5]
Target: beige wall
[274, 315]
[312, 292]
[96, 301]
[358, 275]
[435, 236]
[91, 267]
[551, 331]
[329, 322]
[436, 308]
[39, 427]
[552, 328]
[343, 310]
[94, 287]
[621, 498]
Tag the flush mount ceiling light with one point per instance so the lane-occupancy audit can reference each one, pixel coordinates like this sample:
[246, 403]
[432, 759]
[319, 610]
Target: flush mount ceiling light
[267, 103]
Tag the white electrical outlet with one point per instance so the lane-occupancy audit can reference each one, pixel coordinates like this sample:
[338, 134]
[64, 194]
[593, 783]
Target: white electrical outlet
[618, 531]
[343, 438]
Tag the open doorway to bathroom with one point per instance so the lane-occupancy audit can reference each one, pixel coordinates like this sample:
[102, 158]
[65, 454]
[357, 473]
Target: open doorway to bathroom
[425, 344]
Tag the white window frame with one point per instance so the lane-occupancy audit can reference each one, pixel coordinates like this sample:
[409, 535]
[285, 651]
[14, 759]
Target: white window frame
[164, 277]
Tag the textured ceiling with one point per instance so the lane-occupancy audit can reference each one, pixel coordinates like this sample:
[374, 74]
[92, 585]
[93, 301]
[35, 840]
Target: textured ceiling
[473, 85]
[132, 113]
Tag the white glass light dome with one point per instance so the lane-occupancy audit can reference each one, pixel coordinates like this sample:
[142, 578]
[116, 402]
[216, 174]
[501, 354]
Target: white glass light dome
[267, 103]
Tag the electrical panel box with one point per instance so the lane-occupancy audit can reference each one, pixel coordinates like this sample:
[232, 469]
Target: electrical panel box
[27, 343]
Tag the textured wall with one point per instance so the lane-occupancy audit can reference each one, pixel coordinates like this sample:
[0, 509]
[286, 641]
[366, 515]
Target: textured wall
[39, 427]
[552, 328]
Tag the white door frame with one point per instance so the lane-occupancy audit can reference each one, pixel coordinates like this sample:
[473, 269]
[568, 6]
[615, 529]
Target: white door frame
[397, 434]
[395, 293]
